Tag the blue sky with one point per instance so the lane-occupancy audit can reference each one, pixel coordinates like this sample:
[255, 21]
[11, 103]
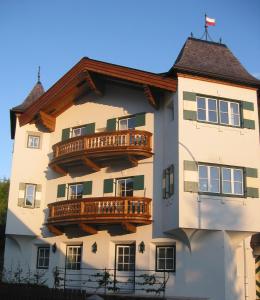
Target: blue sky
[143, 34]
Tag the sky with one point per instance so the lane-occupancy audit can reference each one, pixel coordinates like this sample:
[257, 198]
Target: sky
[142, 34]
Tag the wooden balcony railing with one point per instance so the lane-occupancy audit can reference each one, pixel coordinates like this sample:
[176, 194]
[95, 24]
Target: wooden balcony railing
[135, 144]
[101, 210]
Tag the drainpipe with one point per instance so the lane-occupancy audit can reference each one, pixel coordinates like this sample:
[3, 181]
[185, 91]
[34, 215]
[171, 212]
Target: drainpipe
[245, 271]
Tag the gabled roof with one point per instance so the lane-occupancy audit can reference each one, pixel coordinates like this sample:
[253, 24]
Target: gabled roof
[210, 59]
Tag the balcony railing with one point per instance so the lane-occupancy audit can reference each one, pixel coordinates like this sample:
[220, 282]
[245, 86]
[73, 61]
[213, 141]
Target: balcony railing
[133, 144]
[101, 210]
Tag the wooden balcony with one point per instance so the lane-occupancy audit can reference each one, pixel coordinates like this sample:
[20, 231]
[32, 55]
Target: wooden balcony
[89, 213]
[101, 149]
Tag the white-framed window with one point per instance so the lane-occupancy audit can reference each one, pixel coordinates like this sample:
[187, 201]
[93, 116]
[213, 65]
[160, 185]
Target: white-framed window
[43, 257]
[77, 131]
[125, 257]
[221, 180]
[125, 187]
[29, 195]
[207, 110]
[229, 113]
[75, 190]
[127, 123]
[232, 181]
[165, 258]
[209, 179]
[33, 141]
[73, 257]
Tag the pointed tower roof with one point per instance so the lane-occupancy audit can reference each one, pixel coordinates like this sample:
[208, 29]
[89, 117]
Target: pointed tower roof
[210, 59]
[35, 93]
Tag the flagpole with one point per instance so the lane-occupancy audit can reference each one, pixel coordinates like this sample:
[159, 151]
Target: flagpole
[206, 27]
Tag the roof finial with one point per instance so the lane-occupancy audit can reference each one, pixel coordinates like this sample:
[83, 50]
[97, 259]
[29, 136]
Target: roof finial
[191, 34]
[39, 74]
[220, 40]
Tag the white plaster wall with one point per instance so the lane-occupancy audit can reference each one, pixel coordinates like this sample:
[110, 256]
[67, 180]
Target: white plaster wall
[220, 145]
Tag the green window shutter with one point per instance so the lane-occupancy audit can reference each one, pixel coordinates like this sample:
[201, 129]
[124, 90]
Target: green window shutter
[190, 186]
[189, 96]
[164, 184]
[38, 188]
[171, 180]
[61, 191]
[65, 134]
[252, 192]
[190, 165]
[250, 124]
[190, 115]
[89, 129]
[20, 202]
[87, 188]
[21, 186]
[251, 172]
[111, 124]
[108, 185]
[140, 120]
[37, 203]
[139, 182]
[247, 105]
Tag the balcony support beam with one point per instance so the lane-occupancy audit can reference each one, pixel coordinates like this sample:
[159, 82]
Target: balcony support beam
[132, 160]
[152, 99]
[88, 229]
[53, 229]
[58, 169]
[89, 163]
[129, 227]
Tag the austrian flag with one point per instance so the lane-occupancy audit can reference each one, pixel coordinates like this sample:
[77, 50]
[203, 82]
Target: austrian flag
[210, 22]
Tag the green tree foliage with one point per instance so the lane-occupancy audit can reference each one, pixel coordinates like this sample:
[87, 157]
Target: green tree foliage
[4, 190]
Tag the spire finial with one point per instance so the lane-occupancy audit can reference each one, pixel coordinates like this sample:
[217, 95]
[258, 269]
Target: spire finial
[39, 74]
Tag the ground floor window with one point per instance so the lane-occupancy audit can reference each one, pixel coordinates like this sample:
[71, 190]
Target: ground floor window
[43, 256]
[165, 258]
[125, 257]
[73, 257]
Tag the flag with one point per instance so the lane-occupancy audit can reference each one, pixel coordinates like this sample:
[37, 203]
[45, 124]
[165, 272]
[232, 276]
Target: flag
[210, 22]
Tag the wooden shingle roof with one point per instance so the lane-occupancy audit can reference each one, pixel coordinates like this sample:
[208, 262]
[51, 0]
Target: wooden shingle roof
[210, 59]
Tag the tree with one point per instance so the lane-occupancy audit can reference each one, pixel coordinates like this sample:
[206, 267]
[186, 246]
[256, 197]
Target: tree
[4, 190]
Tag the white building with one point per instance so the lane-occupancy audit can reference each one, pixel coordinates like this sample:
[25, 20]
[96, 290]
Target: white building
[139, 173]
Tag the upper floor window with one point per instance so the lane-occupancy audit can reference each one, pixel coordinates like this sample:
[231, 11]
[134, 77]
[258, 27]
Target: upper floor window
[75, 191]
[29, 196]
[218, 111]
[33, 141]
[125, 186]
[77, 131]
[127, 123]
[73, 257]
[43, 257]
[221, 180]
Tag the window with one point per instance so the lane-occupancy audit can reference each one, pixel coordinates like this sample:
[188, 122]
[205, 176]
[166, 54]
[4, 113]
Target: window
[43, 256]
[29, 196]
[125, 257]
[73, 257]
[125, 186]
[127, 123]
[221, 180]
[229, 113]
[33, 141]
[165, 258]
[77, 131]
[75, 191]
[168, 183]
[218, 111]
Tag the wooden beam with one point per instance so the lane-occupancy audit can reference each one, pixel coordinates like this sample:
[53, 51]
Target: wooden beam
[87, 228]
[133, 160]
[89, 163]
[93, 84]
[47, 121]
[58, 169]
[53, 229]
[129, 227]
[150, 96]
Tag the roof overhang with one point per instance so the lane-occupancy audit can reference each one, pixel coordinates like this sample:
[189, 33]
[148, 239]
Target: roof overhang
[89, 75]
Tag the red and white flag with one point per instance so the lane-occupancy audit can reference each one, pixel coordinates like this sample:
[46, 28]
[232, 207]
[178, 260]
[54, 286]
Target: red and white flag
[210, 22]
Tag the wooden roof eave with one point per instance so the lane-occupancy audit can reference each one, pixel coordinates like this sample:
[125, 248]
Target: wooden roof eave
[81, 72]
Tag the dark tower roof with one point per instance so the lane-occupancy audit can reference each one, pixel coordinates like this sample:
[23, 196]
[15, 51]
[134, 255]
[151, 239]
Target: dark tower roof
[210, 59]
[35, 93]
